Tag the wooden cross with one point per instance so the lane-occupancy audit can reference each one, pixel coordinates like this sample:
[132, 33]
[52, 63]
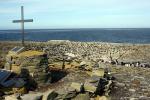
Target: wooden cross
[22, 21]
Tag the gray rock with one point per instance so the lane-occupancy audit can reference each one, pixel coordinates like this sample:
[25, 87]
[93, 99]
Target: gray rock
[12, 97]
[36, 96]
[132, 90]
[133, 99]
[82, 97]
[144, 98]
[49, 95]
[121, 85]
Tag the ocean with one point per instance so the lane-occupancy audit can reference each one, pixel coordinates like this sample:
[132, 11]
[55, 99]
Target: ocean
[116, 35]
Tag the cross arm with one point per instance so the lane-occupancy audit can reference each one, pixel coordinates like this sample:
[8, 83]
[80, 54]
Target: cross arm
[19, 21]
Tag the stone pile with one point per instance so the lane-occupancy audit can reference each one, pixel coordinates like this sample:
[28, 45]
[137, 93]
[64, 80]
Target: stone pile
[29, 63]
[76, 91]
[94, 50]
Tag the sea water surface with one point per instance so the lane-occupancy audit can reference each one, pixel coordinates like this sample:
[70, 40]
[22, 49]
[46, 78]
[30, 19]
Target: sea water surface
[116, 35]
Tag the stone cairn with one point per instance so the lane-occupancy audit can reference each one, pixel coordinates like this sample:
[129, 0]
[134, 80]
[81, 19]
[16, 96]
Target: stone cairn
[30, 63]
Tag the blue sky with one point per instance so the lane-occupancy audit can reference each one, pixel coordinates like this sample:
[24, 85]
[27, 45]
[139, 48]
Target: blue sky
[77, 13]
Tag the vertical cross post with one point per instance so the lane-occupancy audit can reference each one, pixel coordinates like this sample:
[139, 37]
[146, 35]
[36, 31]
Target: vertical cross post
[22, 21]
[22, 24]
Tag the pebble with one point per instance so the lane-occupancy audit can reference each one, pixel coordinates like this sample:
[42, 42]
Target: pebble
[132, 90]
[133, 99]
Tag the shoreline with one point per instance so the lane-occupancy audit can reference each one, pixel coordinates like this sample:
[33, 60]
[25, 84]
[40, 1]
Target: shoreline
[56, 41]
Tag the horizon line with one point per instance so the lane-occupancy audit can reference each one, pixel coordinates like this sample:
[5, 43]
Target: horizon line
[76, 28]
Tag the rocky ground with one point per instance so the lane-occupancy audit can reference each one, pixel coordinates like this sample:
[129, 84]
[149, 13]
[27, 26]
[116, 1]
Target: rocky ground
[133, 83]
[136, 83]
[90, 50]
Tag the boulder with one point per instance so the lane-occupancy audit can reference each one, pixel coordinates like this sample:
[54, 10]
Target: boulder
[88, 87]
[83, 63]
[133, 98]
[70, 95]
[121, 85]
[33, 96]
[49, 95]
[11, 97]
[82, 97]
[7, 66]
[101, 98]
[22, 90]
[76, 86]
[99, 72]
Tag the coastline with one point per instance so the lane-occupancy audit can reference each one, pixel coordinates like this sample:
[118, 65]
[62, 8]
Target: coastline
[56, 41]
[94, 50]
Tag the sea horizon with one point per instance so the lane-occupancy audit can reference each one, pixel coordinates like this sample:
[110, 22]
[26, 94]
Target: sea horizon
[114, 35]
[70, 28]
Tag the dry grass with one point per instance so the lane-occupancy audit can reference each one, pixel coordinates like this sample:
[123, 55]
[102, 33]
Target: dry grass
[30, 53]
